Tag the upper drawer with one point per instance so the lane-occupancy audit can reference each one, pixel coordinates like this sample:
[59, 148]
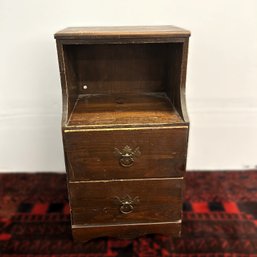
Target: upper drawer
[130, 153]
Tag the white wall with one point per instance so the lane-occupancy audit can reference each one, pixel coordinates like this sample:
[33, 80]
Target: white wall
[221, 82]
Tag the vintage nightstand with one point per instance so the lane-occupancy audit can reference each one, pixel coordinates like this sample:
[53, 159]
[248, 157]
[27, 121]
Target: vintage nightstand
[125, 128]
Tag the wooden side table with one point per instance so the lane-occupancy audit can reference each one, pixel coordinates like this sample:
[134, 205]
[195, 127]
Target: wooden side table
[125, 128]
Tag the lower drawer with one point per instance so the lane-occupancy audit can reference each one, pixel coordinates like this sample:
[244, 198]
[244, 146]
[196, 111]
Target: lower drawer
[126, 201]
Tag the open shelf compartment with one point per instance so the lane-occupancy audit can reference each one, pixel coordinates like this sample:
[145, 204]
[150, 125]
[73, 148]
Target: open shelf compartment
[123, 84]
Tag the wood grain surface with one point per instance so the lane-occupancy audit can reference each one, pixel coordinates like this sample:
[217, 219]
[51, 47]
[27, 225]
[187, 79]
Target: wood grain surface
[98, 203]
[122, 31]
[91, 155]
[127, 68]
[123, 110]
[127, 231]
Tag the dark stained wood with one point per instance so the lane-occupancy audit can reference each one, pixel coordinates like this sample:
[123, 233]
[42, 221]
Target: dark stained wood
[121, 68]
[127, 68]
[91, 154]
[121, 41]
[122, 32]
[95, 203]
[69, 89]
[125, 128]
[128, 231]
[177, 78]
[123, 110]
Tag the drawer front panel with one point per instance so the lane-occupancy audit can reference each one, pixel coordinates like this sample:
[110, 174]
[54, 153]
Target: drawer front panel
[126, 153]
[123, 202]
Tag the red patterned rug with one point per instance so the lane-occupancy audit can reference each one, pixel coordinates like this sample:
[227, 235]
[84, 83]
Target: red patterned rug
[220, 219]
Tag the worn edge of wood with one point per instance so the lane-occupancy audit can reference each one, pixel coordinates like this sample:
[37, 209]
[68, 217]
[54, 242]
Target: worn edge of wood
[121, 32]
[123, 180]
[66, 129]
[119, 41]
[128, 224]
[128, 231]
[182, 89]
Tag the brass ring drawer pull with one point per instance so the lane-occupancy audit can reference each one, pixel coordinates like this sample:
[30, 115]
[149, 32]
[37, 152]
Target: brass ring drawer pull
[127, 203]
[127, 155]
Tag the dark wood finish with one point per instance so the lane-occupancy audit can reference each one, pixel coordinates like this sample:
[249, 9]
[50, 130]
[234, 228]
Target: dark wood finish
[96, 203]
[176, 80]
[128, 231]
[125, 128]
[124, 110]
[91, 154]
[120, 32]
[123, 68]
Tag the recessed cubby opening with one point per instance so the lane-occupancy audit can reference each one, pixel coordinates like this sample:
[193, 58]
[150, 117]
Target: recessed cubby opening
[121, 84]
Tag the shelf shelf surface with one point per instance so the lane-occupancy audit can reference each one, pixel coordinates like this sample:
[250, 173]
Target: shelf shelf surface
[118, 110]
